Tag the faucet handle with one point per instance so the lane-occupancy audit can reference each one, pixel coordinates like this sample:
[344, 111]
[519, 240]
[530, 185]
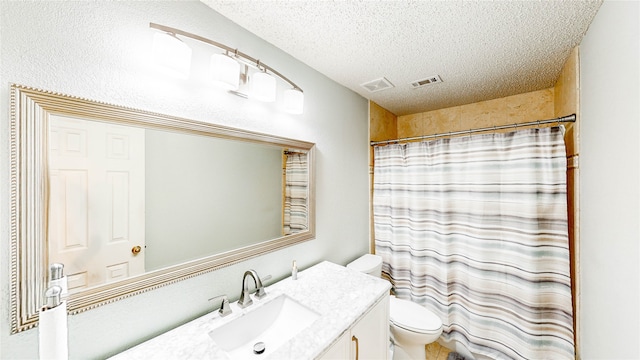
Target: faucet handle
[225, 307]
[260, 292]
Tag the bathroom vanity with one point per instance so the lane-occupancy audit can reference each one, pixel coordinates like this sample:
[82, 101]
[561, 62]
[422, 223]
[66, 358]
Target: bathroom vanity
[329, 312]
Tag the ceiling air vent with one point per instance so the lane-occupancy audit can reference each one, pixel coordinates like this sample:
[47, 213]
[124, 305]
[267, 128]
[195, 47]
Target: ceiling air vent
[377, 85]
[427, 81]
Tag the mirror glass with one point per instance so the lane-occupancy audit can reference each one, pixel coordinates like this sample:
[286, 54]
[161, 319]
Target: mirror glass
[129, 200]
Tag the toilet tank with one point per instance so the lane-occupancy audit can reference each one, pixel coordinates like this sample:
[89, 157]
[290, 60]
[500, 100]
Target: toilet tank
[369, 264]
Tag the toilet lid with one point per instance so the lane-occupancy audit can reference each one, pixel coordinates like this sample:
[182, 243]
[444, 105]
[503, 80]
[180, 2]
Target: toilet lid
[411, 316]
[366, 263]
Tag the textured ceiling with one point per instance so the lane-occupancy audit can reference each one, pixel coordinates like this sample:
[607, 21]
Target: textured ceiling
[481, 50]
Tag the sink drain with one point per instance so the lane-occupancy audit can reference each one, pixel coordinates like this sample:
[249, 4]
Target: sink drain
[258, 348]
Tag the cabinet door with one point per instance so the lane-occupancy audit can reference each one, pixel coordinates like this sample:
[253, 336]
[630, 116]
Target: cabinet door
[370, 336]
[339, 350]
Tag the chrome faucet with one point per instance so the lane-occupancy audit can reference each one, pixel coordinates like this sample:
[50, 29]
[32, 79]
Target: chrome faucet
[245, 298]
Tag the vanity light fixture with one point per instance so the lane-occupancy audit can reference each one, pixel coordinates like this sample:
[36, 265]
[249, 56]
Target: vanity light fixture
[230, 70]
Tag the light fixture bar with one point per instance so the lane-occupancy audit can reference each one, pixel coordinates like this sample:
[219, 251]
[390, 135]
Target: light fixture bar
[254, 62]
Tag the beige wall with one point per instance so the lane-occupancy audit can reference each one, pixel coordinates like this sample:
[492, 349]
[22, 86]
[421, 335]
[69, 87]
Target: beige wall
[561, 100]
[383, 123]
[537, 105]
[566, 99]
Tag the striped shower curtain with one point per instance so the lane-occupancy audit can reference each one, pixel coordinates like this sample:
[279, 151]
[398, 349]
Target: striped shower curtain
[475, 229]
[296, 192]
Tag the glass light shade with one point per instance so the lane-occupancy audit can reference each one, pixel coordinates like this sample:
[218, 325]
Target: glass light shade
[263, 87]
[225, 71]
[293, 101]
[171, 55]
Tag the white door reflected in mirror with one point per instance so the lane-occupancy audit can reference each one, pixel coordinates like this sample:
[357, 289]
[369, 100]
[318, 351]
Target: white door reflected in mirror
[96, 200]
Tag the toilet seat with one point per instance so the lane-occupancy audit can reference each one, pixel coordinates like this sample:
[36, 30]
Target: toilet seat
[413, 317]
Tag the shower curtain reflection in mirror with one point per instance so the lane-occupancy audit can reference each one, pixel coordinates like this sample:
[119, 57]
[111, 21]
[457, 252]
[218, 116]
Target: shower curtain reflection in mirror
[296, 193]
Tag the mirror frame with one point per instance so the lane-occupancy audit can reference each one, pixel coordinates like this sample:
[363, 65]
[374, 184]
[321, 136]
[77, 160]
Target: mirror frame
[30, 110]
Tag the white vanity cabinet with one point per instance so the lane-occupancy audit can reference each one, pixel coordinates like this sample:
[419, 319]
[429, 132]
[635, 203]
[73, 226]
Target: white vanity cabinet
[367, 339]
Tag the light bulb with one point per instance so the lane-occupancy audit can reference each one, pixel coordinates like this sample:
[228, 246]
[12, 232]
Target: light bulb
[263, 87]
[225, 71]
[293, 101]
[171, 55]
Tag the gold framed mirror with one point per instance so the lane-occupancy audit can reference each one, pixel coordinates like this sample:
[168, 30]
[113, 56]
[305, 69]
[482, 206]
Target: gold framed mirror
[250, 193]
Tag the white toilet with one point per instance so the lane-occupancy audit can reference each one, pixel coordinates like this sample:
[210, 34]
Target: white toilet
[412, 326]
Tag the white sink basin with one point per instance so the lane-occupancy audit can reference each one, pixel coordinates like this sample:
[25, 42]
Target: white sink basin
[273, 324]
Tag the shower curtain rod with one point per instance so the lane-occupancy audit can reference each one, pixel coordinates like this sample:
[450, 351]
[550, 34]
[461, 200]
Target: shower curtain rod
[568, 118]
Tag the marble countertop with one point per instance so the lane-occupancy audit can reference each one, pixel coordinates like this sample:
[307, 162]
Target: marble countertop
[340, 295]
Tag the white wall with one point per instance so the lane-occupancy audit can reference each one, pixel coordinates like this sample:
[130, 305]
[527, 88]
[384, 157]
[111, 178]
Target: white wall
[610, 184]
[97, 50]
